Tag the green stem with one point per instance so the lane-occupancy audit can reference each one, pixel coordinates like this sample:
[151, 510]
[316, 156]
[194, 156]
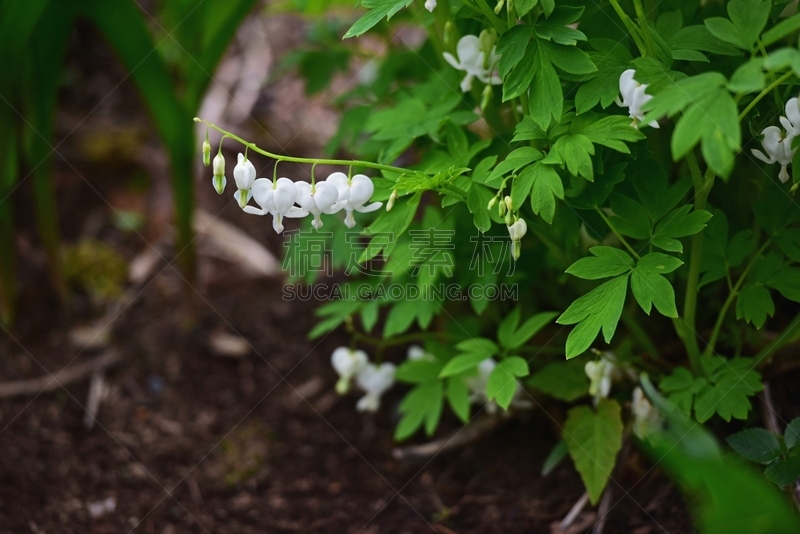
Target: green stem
[786, 337]
[631, 27]
[293, 159]
[686, 327]
[712, 341]
[619, 236]
[640, 15]
[764, 93]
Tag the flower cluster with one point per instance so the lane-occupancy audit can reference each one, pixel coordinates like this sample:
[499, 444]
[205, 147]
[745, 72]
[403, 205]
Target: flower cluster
[634, 97]
[278, 197]
[353, 366]
[473, 60]
[778, 144]
[601, 373]
[374, 380]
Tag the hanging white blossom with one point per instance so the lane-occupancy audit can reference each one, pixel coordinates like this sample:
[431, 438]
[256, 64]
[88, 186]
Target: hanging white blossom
[276, 199]
[354, 193]
[473, 61]
[320, 197]
[347, 363]
[634, 97]
[245, 175]
[374, 380]
[646, 418]
[600, 374]
[778, 148]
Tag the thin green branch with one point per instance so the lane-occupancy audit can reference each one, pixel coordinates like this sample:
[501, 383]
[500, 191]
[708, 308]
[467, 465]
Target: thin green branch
[712, 341]
[619, 236]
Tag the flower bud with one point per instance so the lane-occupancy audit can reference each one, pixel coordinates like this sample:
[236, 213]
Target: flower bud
[492, 203]
[392, 198]
[487, 38]
[486, 98]
[793, 190]
[206, 153]
[501, 209]
[448, 33]
[219, 179]
[499, 7]
[509, 218]
[509, 205]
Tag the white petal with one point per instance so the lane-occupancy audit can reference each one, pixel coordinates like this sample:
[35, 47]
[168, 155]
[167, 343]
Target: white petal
[369, 208]
[244, 173]
[295, 213]
[466, 83]
[284, 194]
[784, 174]
[304, 197]
[252, 210]
[793, 113]
[627, 85]
[262, 193]
[361, 190]
[453, 62]
[368, 403]
[468, 50]
[349, 220]
[340, 182]
[760, 155]
[325, 196]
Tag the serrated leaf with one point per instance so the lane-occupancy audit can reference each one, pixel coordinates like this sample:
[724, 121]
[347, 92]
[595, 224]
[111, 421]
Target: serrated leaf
[546, 187]
[784, 471]
[792, 433]
[599, 309]
[378, 9]
[682, 222]
[754, 304]
[421, 406]
[458, 397]
[502, 383]
[605, 262]
[755, 444]
[650, 288]
[593, 439]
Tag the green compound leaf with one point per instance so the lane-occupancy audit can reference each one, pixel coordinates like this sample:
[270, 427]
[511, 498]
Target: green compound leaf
[502, 382]
[421, 406]
[792, 433]
[755, 444]
[600, 308]
[593, 438]
[649, 287]
[511, 336]
[784, 471]
[682, 222]
[458, 397]
[606, 262]
[378, 9]
[754, 304]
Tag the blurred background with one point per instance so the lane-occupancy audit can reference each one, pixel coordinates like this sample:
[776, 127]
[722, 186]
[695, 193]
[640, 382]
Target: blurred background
[152, 377]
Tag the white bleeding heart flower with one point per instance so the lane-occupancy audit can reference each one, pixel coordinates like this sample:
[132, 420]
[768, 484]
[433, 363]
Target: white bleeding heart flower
[354, 193]
[600, 374]
[473, 61]
[417, 353]
[317, 199]
[347, 363]
[430, 5]
[778, 148]
[517, 231]
[276, 199]
[646, 417]
[633, 97]
[792, 119]
[374, 380]
[219, 179]
[244, 174]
